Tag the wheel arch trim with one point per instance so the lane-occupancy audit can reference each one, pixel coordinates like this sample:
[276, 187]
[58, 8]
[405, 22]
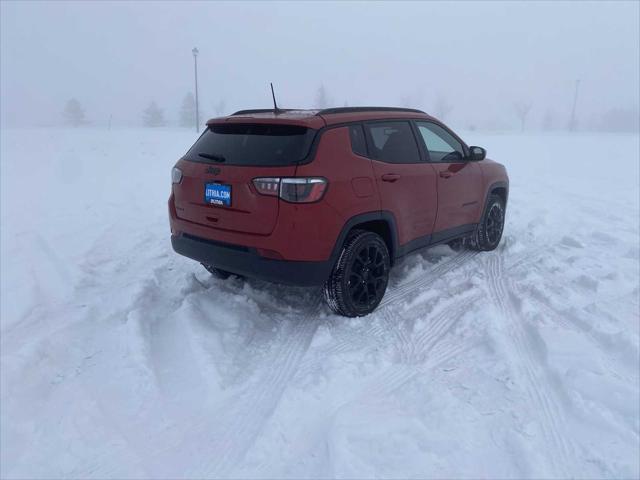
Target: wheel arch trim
[493, 186]
[381, 215]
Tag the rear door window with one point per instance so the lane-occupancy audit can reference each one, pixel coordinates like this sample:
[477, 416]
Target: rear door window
[392, 142]
[255, 145]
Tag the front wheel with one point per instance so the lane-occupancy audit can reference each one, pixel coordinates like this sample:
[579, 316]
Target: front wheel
[359, 279]
[489, 231]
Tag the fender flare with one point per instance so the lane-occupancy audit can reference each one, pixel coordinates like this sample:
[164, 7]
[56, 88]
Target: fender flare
[501, 184]
[383, 215]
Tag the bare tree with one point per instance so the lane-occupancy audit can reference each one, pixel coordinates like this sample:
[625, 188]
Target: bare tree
[153, 116]
[442, 107]
[522, 109]
[74, 113]
[322, 99]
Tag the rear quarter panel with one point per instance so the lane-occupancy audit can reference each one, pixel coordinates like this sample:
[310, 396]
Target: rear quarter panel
[351, 189]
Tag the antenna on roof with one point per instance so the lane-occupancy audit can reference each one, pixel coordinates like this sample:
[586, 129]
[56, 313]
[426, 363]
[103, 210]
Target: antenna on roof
[275, 105]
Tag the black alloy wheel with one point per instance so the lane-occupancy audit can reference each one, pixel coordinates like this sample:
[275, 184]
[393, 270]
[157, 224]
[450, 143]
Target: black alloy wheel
[489, 231]
[368, 276]
[359, 278]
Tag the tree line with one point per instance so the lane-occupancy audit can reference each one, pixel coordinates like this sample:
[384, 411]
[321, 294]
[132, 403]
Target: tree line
[614, 119]
[152, 116]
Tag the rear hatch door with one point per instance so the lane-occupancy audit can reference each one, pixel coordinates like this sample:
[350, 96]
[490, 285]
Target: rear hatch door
[217, 174]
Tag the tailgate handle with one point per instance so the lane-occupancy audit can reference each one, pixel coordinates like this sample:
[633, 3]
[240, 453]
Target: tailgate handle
[445, 174]
[390, 177]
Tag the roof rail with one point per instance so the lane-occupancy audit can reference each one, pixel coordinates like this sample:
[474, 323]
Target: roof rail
[328, 111]
[262, 110]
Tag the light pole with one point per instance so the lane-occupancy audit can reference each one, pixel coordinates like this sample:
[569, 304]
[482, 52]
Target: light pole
[572, 122]
[195, 65]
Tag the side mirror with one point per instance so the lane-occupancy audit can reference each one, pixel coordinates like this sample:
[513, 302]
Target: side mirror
[477, 153]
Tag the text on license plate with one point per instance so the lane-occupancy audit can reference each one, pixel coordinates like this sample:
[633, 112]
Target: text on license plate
[217, 194]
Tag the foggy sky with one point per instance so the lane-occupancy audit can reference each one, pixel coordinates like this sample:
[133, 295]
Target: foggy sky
[116, 57]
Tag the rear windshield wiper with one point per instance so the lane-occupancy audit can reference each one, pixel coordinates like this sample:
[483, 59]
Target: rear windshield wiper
[210, 156]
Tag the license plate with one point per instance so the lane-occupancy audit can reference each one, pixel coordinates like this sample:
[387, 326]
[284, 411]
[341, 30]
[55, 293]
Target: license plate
[217, 194]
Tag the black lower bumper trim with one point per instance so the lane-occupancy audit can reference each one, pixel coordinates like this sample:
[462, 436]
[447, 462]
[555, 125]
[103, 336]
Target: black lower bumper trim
[246, 261]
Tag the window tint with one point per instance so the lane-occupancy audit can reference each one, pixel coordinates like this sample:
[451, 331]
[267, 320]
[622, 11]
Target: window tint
[358, 144]
[392, 142]
[442, 146]
[259, 144]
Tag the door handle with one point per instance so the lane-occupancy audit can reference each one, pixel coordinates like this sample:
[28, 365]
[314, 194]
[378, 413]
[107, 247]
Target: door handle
[445, 174]
[390, 177]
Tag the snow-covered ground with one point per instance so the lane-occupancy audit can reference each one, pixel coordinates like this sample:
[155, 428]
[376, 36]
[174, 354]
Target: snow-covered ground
[121, 359]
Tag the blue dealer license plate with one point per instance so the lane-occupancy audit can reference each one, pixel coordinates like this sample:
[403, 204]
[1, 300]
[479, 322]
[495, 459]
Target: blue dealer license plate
[217, 194]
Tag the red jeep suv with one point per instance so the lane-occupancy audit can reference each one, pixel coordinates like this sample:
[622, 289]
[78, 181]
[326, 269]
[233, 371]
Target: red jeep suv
[331, 197]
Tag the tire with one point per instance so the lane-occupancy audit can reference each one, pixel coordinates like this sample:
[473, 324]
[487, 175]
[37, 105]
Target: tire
[359, 279]
[216, 272]
[489, 232]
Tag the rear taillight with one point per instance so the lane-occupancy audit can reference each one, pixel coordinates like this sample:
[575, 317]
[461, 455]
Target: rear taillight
[295, 190]
[267, 186]
[302, 190]
[176, 175]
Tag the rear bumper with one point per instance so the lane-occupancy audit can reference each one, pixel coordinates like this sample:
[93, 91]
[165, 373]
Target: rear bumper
[246, 261]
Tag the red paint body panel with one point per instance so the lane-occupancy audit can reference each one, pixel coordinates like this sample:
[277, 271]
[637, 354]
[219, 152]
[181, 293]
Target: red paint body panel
[250, 212]
[411, 196]
[460, 194]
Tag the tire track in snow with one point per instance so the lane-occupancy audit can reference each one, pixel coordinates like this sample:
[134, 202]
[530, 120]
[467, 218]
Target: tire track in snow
[419, 355]
[442, 324]
[413, 350]
[350, 341]
[381, 333]
[538, 389]
[428, 351]
[379, 387]
[237, 424]
[393, 378]
[417, 351]
[412, 287]
[246, 416]
[403, 345]
[526, 257]
[583, 320]
[240, 430]
[371, 336]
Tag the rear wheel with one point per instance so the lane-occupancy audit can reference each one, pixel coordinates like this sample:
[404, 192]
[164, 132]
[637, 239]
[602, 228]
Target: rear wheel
[489, 231]
[359, 279]
[216, 272]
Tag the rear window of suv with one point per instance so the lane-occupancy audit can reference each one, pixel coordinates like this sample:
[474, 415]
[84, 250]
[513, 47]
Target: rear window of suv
[256, 145]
